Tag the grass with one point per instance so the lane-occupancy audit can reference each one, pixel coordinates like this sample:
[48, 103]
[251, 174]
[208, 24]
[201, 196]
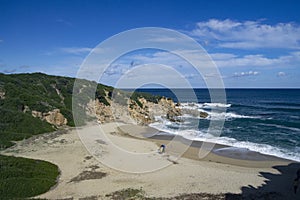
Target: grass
[22, 177]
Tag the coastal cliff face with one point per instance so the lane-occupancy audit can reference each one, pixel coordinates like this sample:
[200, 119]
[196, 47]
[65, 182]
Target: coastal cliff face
[140, 112]
[37, 103]
[146, 113]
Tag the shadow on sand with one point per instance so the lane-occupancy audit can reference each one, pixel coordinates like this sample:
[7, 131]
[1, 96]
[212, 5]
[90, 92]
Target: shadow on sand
[276, 186]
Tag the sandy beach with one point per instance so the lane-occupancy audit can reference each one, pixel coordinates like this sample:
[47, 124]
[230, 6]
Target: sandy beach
[86, 176]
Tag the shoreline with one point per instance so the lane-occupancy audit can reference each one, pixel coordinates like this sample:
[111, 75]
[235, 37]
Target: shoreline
[228, 154]
[187, 175]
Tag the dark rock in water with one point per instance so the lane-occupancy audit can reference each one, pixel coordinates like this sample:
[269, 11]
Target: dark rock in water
[194, 113]
[203, 114]
[172, 115]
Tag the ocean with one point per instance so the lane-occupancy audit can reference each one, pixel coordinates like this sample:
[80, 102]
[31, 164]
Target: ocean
[261, 120]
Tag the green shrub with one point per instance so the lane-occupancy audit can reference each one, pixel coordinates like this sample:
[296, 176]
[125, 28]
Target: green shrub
[16, 126]
[22, 177]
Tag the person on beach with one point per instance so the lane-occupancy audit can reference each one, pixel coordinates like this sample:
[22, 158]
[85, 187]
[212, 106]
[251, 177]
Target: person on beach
[162, 148]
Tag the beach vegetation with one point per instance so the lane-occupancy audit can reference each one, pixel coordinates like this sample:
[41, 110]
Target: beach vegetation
[23, 177]
[128, 193]
[43, 93]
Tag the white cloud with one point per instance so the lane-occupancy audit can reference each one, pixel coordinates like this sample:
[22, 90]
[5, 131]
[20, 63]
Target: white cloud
[281, 74]
[222, 56]
[166, 58]
[164, 39]
[156, 57]
[218, 24]
[152, 74]
[244, 66]
[118, 69]
[248, 73]
[248, 34]
[255, 60]
[76, 50]
[220, 59]
[191, 76]
[65, 22]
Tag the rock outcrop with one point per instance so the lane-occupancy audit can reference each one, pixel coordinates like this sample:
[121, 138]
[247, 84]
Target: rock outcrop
[2, 95]
[170, 110]
[102, 112]
[26, 109]
[203, 114]
[37, 114]
[195, 112]
[142, 112]
[55, 117]
[52, 117]
[146, 114]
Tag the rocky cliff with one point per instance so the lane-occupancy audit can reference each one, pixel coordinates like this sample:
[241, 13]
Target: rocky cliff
[37, 103]
[140, 112]
[146, 113]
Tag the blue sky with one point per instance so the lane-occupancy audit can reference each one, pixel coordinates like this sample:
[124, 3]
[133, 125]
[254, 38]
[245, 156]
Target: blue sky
[253, 43]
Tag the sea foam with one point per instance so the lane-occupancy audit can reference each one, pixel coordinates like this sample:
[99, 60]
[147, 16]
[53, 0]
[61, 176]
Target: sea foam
[193, 133]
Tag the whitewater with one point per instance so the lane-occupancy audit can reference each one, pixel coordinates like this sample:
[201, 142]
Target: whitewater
[265, 121]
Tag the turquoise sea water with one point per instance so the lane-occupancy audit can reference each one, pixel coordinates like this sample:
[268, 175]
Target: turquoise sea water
[262, 120]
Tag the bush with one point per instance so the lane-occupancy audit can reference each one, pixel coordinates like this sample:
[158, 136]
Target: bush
[22, 177]
[16, 126]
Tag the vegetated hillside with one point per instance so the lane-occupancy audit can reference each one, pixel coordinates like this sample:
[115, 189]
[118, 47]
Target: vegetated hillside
[20, 94]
